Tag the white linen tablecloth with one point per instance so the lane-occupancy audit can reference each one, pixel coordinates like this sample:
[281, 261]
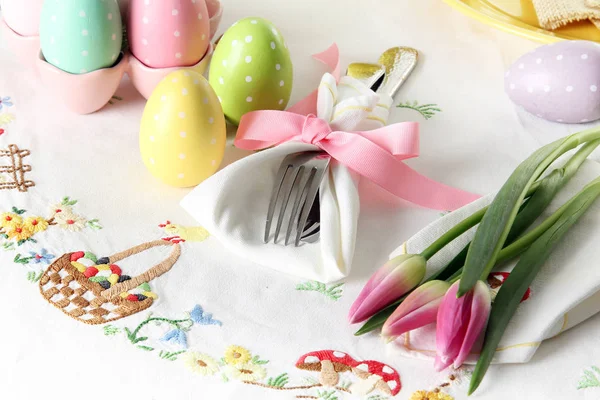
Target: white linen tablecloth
[473, 142]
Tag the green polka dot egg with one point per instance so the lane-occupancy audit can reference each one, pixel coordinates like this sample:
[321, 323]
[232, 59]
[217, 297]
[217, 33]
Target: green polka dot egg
[251, 69]
[79, 36]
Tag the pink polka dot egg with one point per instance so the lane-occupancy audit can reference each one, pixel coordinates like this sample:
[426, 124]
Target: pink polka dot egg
[168, 33]
[558, 82]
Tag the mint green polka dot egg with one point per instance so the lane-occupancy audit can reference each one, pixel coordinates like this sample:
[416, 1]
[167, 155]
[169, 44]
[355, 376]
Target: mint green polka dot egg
[251, 69]
[80, 36]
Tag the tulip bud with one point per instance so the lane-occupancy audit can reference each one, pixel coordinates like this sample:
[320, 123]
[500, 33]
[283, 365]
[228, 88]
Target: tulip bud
[397, 277]
[420, 308]
[460, 322]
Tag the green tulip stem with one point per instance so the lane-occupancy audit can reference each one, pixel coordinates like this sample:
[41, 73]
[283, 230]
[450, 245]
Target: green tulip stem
[569, 169]
[462, 227]
[523, 243]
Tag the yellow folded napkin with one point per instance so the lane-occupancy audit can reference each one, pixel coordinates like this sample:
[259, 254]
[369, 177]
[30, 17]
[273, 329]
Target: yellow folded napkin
[553, 14]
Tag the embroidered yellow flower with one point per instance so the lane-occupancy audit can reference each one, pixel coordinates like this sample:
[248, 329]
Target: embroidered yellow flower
[69, 221]
[237, 355]
[246, 372]
[36, 224]
[19, 232]
[10, 220]
[200, 363]
[424, 395]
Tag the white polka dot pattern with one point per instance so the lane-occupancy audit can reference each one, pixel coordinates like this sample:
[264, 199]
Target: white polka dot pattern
[182, 133]
[559, 82]
[170, 33]
[80, 38]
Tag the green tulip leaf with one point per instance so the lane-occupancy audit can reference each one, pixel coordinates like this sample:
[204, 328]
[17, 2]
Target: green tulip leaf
[514, 287]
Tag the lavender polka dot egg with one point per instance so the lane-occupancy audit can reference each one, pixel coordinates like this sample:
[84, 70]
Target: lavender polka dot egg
[559, 82]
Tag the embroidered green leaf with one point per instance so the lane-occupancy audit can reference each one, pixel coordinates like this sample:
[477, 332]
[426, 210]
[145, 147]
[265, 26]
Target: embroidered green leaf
[24, 260]
[309, 380]
[145, 287]
[590, 378]
[111, 330]
[327, 395]
[224, 377]
[18, 211]
[334, 292]
[66, 201]
[146, 348]
[344, 384]
[376, 397]
[20, 242]
[34, 277]
[256, 360]
[140, 339]
[426, 110]
[279, 381]
[222, 361]
[94, 224]
[170, 356]
[8, 246]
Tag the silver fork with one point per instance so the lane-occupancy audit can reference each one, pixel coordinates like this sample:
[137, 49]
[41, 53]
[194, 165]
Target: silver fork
[299, 176]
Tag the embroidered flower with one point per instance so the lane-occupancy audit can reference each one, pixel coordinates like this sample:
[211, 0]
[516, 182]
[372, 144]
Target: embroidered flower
[36, 224]
[424, 395]
[5, 102]
[200, 363]
[60, 208]
[176, 336]
[203, 318]
[42, 257]
[10, 220]
[69, 221]
[19, 232]
[237, 355]
[247, 372]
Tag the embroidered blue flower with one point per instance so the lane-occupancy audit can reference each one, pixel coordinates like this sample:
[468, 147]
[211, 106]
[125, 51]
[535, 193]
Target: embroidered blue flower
[5, 101]
[176, 336]
[201, 318]
[42, 257]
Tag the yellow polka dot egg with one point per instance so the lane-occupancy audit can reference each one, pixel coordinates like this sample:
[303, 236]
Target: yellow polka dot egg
[251, 69]
[183, 133]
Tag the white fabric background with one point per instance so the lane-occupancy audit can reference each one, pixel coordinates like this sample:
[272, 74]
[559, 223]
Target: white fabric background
[474, 143]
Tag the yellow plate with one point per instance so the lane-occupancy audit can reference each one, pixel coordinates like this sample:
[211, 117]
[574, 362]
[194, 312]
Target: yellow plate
[518, 17]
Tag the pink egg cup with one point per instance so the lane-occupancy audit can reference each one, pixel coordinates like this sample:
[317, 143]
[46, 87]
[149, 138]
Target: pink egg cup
[87, 93]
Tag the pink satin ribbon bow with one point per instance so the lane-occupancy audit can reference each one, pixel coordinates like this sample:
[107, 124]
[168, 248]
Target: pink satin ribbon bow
[376, 154]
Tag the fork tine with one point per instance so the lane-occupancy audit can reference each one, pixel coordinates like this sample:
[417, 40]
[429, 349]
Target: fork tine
[288, 188]
[310, 199]
[274, 196]
[296, 210]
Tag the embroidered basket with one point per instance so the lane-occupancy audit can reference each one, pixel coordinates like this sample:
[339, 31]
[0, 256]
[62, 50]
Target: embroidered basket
[68, 289]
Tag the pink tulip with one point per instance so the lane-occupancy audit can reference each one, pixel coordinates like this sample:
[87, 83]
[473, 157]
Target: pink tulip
[460, 322]
[388, 284]
[420, 308]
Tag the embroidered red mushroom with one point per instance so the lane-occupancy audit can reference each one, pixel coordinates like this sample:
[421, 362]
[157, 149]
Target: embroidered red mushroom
[375, 375]
[497, 279]
[329, 362]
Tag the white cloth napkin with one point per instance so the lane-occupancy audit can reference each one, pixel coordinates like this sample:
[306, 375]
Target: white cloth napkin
[565, 292]
[233, 203]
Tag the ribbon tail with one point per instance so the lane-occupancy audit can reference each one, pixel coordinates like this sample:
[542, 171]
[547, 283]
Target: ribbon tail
[331, 58]
[425, 192]
[384, 169]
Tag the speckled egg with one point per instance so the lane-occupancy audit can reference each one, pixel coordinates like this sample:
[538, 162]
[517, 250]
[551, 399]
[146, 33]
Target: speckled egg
[558, 82]
[183, 134]
[168, 33]
[251, 69]
[80, 36]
